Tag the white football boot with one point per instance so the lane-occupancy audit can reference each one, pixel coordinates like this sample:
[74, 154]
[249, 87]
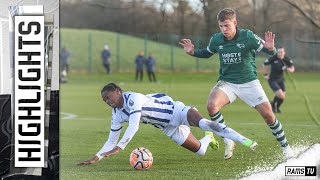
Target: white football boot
[253, 146]
[287, 151]
[229, 148]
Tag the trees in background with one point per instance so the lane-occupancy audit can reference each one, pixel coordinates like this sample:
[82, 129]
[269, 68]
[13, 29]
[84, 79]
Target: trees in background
[296, 23]
[184, 18]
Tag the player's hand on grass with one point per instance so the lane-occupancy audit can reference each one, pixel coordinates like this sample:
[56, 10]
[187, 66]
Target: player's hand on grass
[269, 41]
[90, 161]
[187, 46]
[266, 76]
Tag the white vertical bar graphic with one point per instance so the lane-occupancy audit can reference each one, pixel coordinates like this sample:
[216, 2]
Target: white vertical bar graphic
[29, 137]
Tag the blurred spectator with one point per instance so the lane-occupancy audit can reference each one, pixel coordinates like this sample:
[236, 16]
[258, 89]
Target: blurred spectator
[106, 58]
[150, 62]
[140, 60]
[65, 64]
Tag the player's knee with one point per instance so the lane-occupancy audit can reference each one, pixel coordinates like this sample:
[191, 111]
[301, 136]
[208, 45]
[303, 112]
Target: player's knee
[194, 117]
[212, 107]
[282, 96]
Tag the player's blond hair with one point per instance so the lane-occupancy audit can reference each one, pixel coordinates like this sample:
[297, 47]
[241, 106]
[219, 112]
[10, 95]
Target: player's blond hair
[226, 14]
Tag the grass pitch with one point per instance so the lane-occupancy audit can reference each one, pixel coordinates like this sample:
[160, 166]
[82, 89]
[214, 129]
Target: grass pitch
[85, 124]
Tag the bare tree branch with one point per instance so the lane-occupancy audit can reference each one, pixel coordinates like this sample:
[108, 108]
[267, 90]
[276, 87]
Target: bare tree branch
[163, 11]
[299, 39]
[313, 22]
[101, 5]
[276, 22]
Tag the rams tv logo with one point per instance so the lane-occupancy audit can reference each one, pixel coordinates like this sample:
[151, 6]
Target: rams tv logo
[301, 170]
[29, 87]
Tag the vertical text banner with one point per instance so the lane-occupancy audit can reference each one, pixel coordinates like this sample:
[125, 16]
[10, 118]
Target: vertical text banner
[29, 107]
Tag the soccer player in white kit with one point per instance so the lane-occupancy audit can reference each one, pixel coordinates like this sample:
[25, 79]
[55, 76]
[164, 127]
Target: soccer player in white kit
[159, 110]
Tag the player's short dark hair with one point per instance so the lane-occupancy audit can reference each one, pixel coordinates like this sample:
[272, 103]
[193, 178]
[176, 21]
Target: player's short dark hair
[110, 87]
[281, 47]
[226, 14]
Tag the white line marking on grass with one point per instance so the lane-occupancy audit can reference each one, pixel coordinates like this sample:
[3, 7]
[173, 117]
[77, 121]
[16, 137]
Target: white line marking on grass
[310, 157]
[70, 116]
[90, 119]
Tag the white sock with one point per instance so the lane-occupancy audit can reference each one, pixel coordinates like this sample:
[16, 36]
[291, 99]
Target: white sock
[227, 141]
[204, 145]
[221, 130]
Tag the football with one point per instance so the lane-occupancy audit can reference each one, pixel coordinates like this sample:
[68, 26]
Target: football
[141, 159]
[64, 73]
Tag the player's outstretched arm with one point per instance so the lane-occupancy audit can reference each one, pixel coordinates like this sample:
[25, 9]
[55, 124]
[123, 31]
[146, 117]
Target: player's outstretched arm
[269, 41]
[93, 160]
[187, 46]
[265, 71]
[291, 69]
[109, 145]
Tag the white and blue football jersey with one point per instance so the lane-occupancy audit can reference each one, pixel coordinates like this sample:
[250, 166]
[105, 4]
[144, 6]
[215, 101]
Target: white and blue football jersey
[155, 109]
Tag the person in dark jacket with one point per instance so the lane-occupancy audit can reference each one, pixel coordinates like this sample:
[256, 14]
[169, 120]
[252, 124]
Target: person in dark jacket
[150, 62]
[106, 59]
[139, 61]
[65, 64]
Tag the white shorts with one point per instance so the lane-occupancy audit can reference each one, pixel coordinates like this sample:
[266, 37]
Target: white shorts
[251, 92]
[178, 134]
[178, 128]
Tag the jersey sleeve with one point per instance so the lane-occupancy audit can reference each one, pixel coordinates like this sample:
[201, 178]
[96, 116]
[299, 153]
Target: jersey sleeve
[115, 123]
[114, 134]
[211, 45]
[110, 144]
[288, 62]
[256, 43]
[134, 103]
[131, 130]
[206, 52]
[267, 61]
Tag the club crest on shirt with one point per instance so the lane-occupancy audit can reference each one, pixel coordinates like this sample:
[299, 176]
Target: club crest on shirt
[131, 103]
[240, 45]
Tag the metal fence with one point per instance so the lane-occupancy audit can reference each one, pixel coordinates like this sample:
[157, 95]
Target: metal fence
[86, 46]
[304, 55]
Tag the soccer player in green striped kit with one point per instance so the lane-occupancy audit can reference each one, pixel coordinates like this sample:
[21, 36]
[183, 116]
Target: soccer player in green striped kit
[238, 74]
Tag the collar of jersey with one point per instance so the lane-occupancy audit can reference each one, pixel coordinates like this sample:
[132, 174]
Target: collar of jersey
[235, 36]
